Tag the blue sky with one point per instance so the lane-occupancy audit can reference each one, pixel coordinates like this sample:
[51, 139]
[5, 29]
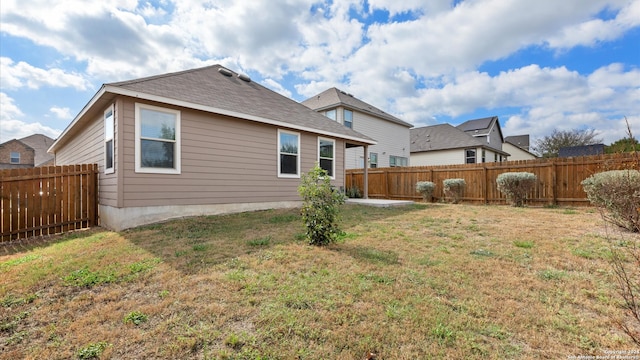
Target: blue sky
[539, 66]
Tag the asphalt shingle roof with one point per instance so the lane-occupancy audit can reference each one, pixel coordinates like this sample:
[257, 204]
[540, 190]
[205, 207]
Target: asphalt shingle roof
[482, 126]
[209, 87]
[441, 137]
[40, 143]
[334, 97]
[521, 141]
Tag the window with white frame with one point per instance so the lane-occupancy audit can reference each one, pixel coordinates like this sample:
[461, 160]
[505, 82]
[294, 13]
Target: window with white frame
[15, 157]
[157, 146]
[484, 155]
[331, 114]
[109, 128]
[470, 156]
[348, 118]
[398, 161]
[288, 154]
[326, 155]
[373, 160]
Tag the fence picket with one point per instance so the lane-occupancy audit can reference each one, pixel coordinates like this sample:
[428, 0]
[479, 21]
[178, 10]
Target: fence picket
[47, 200]
[558, 179]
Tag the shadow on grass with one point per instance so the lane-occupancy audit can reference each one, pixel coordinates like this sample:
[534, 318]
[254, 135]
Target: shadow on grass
[32, 243]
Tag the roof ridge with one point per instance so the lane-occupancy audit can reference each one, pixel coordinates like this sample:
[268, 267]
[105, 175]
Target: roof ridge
[161, 76]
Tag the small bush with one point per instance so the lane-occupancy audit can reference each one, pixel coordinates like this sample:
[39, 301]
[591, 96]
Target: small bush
[320, 207]
[425, 188]
[92, 351]
[353, 192]
[135, 317]
[515, 186]
[617, 193]
[454, 189]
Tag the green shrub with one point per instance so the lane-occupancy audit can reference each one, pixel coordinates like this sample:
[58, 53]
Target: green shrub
[454, 189]
[353, 192]
[617, 193]
[515, 186]
[320, 206]
[135, 317]
[92, 351]
[425, 188]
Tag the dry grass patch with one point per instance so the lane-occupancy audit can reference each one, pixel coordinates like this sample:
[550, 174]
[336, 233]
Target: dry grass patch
[436, 281]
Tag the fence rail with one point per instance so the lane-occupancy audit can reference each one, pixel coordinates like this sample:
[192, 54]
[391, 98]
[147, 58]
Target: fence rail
[47, 200]
[558, 179]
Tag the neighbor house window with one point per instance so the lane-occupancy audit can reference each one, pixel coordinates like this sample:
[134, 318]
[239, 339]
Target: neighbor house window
[331, 114]
[15, 157]
[373, 160]
[348, 118]
[484, 154]
[397, 161]
[109, 127]
[470, 156]
[495, 157]
[326, 155]
[157, 147]
[288, 154]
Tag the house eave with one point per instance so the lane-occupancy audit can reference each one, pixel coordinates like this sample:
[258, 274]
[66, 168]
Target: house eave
[110, 89]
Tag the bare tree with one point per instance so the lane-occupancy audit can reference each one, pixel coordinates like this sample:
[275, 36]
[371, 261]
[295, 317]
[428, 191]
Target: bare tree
[550, 145]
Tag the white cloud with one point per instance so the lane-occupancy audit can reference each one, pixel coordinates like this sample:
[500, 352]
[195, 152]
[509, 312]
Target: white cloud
[61, 112]
[12, 128]
[277, 87]
[18, 75]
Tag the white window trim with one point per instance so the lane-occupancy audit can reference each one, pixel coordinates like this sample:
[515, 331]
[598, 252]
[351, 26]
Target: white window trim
[291, 176]
[344, 121]
[112, 169]
[333, 160]
[11, 157]
[176, 153]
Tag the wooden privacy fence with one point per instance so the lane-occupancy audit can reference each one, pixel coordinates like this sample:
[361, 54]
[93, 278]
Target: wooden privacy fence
[47, 200]
[558, 179]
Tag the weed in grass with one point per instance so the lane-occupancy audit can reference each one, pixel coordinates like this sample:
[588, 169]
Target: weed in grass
[18, 261]
[375, 256]
[163, 294]
[92, 350]
[496, 332]
[17, 337]
[284, 218]
[525, 244]
[380, 279]
[135, 317]
[180, 253]
[234, 341]
[87, 278]
[443, 334]
[584, 253]
[10, 300]
[482, 252]
[199, 247]
[427, 261]
[570, 212]
[552, 274]
[458, 237]
[260, 242]
[144, 265]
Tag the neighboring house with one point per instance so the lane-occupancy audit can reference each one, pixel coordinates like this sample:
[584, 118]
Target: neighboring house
[202, 141]
[391, 133]
[474, 141]
[582, 150]
[518, 148]
[28, 152]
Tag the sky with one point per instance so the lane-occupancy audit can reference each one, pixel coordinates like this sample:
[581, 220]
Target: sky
[539, 65]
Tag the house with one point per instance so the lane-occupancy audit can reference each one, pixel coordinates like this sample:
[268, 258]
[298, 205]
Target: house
[474, 141]
[198, 142]
[518, 147]
[391, 133]
[581, 150]
[27, 152]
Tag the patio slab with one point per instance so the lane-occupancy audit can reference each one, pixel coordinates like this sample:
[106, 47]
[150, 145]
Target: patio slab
[379, 202]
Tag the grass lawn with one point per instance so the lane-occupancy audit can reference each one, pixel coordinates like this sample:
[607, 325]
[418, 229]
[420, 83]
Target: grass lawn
[424, 281]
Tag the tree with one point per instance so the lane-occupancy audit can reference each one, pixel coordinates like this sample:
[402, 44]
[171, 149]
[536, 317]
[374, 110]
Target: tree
[550, 145]
[626, 144]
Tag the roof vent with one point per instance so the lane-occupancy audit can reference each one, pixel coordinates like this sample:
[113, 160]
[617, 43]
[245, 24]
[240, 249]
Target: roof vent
[343, 92]
[225, 72]
[244, 77]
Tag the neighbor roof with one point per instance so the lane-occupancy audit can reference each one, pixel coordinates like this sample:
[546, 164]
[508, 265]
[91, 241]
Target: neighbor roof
[478, 127]
[444, 137]
[40, 143]
[334, 97]
[219, 90]
[521, 141]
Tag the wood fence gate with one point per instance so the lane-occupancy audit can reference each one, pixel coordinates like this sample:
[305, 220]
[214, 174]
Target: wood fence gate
[47, 200]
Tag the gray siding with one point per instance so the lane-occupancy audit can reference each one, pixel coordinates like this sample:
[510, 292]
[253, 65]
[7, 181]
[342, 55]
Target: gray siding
[224, 160]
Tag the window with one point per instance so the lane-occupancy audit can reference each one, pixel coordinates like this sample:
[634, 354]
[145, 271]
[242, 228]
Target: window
[289, 154]
[484, 154]
[495, 157]
[397, 161]
[326, 155]
[109, 127]
[15, 157]
[157, 147]
[373, 160]
[331, 114]
[470, 155]
[348, 118]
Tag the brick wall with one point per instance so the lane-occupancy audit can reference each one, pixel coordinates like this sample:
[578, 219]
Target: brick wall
[27, 155]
